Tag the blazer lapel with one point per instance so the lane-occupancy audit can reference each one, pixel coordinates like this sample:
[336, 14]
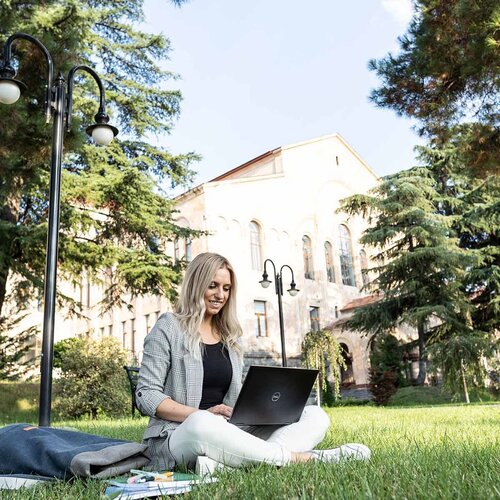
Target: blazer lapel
[194, 380]
[235, 387]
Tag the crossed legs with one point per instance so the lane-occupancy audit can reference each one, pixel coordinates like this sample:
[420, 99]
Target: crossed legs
[205, 434]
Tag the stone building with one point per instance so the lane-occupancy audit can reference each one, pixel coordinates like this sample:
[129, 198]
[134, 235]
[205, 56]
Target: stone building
[281, 206]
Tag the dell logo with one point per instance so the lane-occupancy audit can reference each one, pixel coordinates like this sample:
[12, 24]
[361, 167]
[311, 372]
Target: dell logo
[275, 397]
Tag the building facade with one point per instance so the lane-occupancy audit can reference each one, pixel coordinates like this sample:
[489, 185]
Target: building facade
[283, 206]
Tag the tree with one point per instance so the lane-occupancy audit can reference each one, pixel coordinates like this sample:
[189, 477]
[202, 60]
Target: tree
[387, 355]
[115, 215]
[446, 76]
[472, 207]
[318, 349]
[447, 71]
[420, 267]
[386, 368]
[459, 358]
[13, 349]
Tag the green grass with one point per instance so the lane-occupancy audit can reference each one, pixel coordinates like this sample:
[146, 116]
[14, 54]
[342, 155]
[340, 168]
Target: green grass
[429, 395]
[441, 452]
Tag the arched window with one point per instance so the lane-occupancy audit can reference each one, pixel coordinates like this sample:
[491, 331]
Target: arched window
[346, 266]
[330, 271]
[255, 246]
[346, 372]
[307, 254]
[177, 252]
[363, 264]
[187, 249]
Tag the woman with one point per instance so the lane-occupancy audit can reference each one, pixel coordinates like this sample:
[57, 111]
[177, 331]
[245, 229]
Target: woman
[190, 378]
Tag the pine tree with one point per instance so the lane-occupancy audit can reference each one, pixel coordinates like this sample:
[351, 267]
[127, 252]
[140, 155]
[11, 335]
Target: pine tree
[446, 73]
[446, 76]
[115, 214]
[420, 266]
[473, 207]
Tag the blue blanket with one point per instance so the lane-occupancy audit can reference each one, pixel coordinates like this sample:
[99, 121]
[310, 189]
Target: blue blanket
[63, 454]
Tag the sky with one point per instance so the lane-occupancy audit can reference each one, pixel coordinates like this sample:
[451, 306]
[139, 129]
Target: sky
[260, 74]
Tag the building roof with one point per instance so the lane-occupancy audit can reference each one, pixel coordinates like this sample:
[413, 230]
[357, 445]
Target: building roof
[361, 302]
[249, 164]
[239, 168]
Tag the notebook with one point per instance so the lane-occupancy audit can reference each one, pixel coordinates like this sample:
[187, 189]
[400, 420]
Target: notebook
[273, 395]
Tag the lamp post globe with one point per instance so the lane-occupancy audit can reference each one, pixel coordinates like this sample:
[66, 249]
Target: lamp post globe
[9, 91]
[102, 134]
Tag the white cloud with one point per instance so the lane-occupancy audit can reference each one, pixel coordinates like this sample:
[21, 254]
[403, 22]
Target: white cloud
[400, 10]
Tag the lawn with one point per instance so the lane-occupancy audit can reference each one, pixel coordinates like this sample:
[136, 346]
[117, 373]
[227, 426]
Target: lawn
[447, 451]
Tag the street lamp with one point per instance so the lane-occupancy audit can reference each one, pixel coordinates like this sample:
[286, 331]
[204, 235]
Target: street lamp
[58, 106]
[278, 282]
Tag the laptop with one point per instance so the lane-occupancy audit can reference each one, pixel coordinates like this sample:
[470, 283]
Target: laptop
[273, 395]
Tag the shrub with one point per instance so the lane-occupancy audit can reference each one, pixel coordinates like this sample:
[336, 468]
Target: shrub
[383, 385]
[61, 348]
[387, 356]
[93, 382]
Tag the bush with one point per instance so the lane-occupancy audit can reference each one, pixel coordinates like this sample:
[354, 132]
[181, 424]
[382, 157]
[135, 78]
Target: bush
[387, 356]
[386, 369]
[61, 348]
[93, 382]
[383, 385]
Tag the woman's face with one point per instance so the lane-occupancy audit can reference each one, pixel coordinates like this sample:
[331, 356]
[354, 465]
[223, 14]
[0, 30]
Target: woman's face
[217, 293]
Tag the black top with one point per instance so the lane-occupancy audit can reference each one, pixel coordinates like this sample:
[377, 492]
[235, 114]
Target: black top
[217, 375]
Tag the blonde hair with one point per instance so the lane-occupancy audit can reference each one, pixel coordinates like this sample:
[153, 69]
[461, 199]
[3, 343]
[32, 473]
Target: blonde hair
[190, 307]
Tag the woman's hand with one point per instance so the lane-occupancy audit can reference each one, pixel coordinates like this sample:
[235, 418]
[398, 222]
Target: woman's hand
[222, 410]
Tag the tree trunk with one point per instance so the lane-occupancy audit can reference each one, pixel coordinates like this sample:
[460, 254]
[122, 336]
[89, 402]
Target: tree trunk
[464, 380]
[422, 355]
[4, 274]
[8, 213]
[319, 382]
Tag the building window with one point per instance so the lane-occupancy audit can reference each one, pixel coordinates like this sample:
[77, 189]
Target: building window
[260, 318]
[314, 317]
[307, 254]
[89, 302]
[80, 298]
[255, 246]
[346, 265]
[187, 249]
[132, 340]
[363, 263]
[110, 330]
[124, 335]
[146, 317]
[330, 272]
[177, 252]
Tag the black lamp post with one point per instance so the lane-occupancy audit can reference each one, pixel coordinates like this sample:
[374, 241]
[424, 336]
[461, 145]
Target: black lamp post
[58, 106]
[278, 282]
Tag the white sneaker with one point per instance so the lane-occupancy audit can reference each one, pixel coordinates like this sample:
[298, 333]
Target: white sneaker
[206, 466]
[350, 451]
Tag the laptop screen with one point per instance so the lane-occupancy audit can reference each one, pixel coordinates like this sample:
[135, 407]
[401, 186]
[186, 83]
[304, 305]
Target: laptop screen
[273, 395]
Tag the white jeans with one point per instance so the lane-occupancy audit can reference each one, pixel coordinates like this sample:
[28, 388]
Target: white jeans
[204, 433]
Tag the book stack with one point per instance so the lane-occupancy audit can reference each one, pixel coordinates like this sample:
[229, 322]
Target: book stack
[143, 484]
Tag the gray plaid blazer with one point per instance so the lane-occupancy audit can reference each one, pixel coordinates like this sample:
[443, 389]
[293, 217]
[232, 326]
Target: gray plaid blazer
[169, 370]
